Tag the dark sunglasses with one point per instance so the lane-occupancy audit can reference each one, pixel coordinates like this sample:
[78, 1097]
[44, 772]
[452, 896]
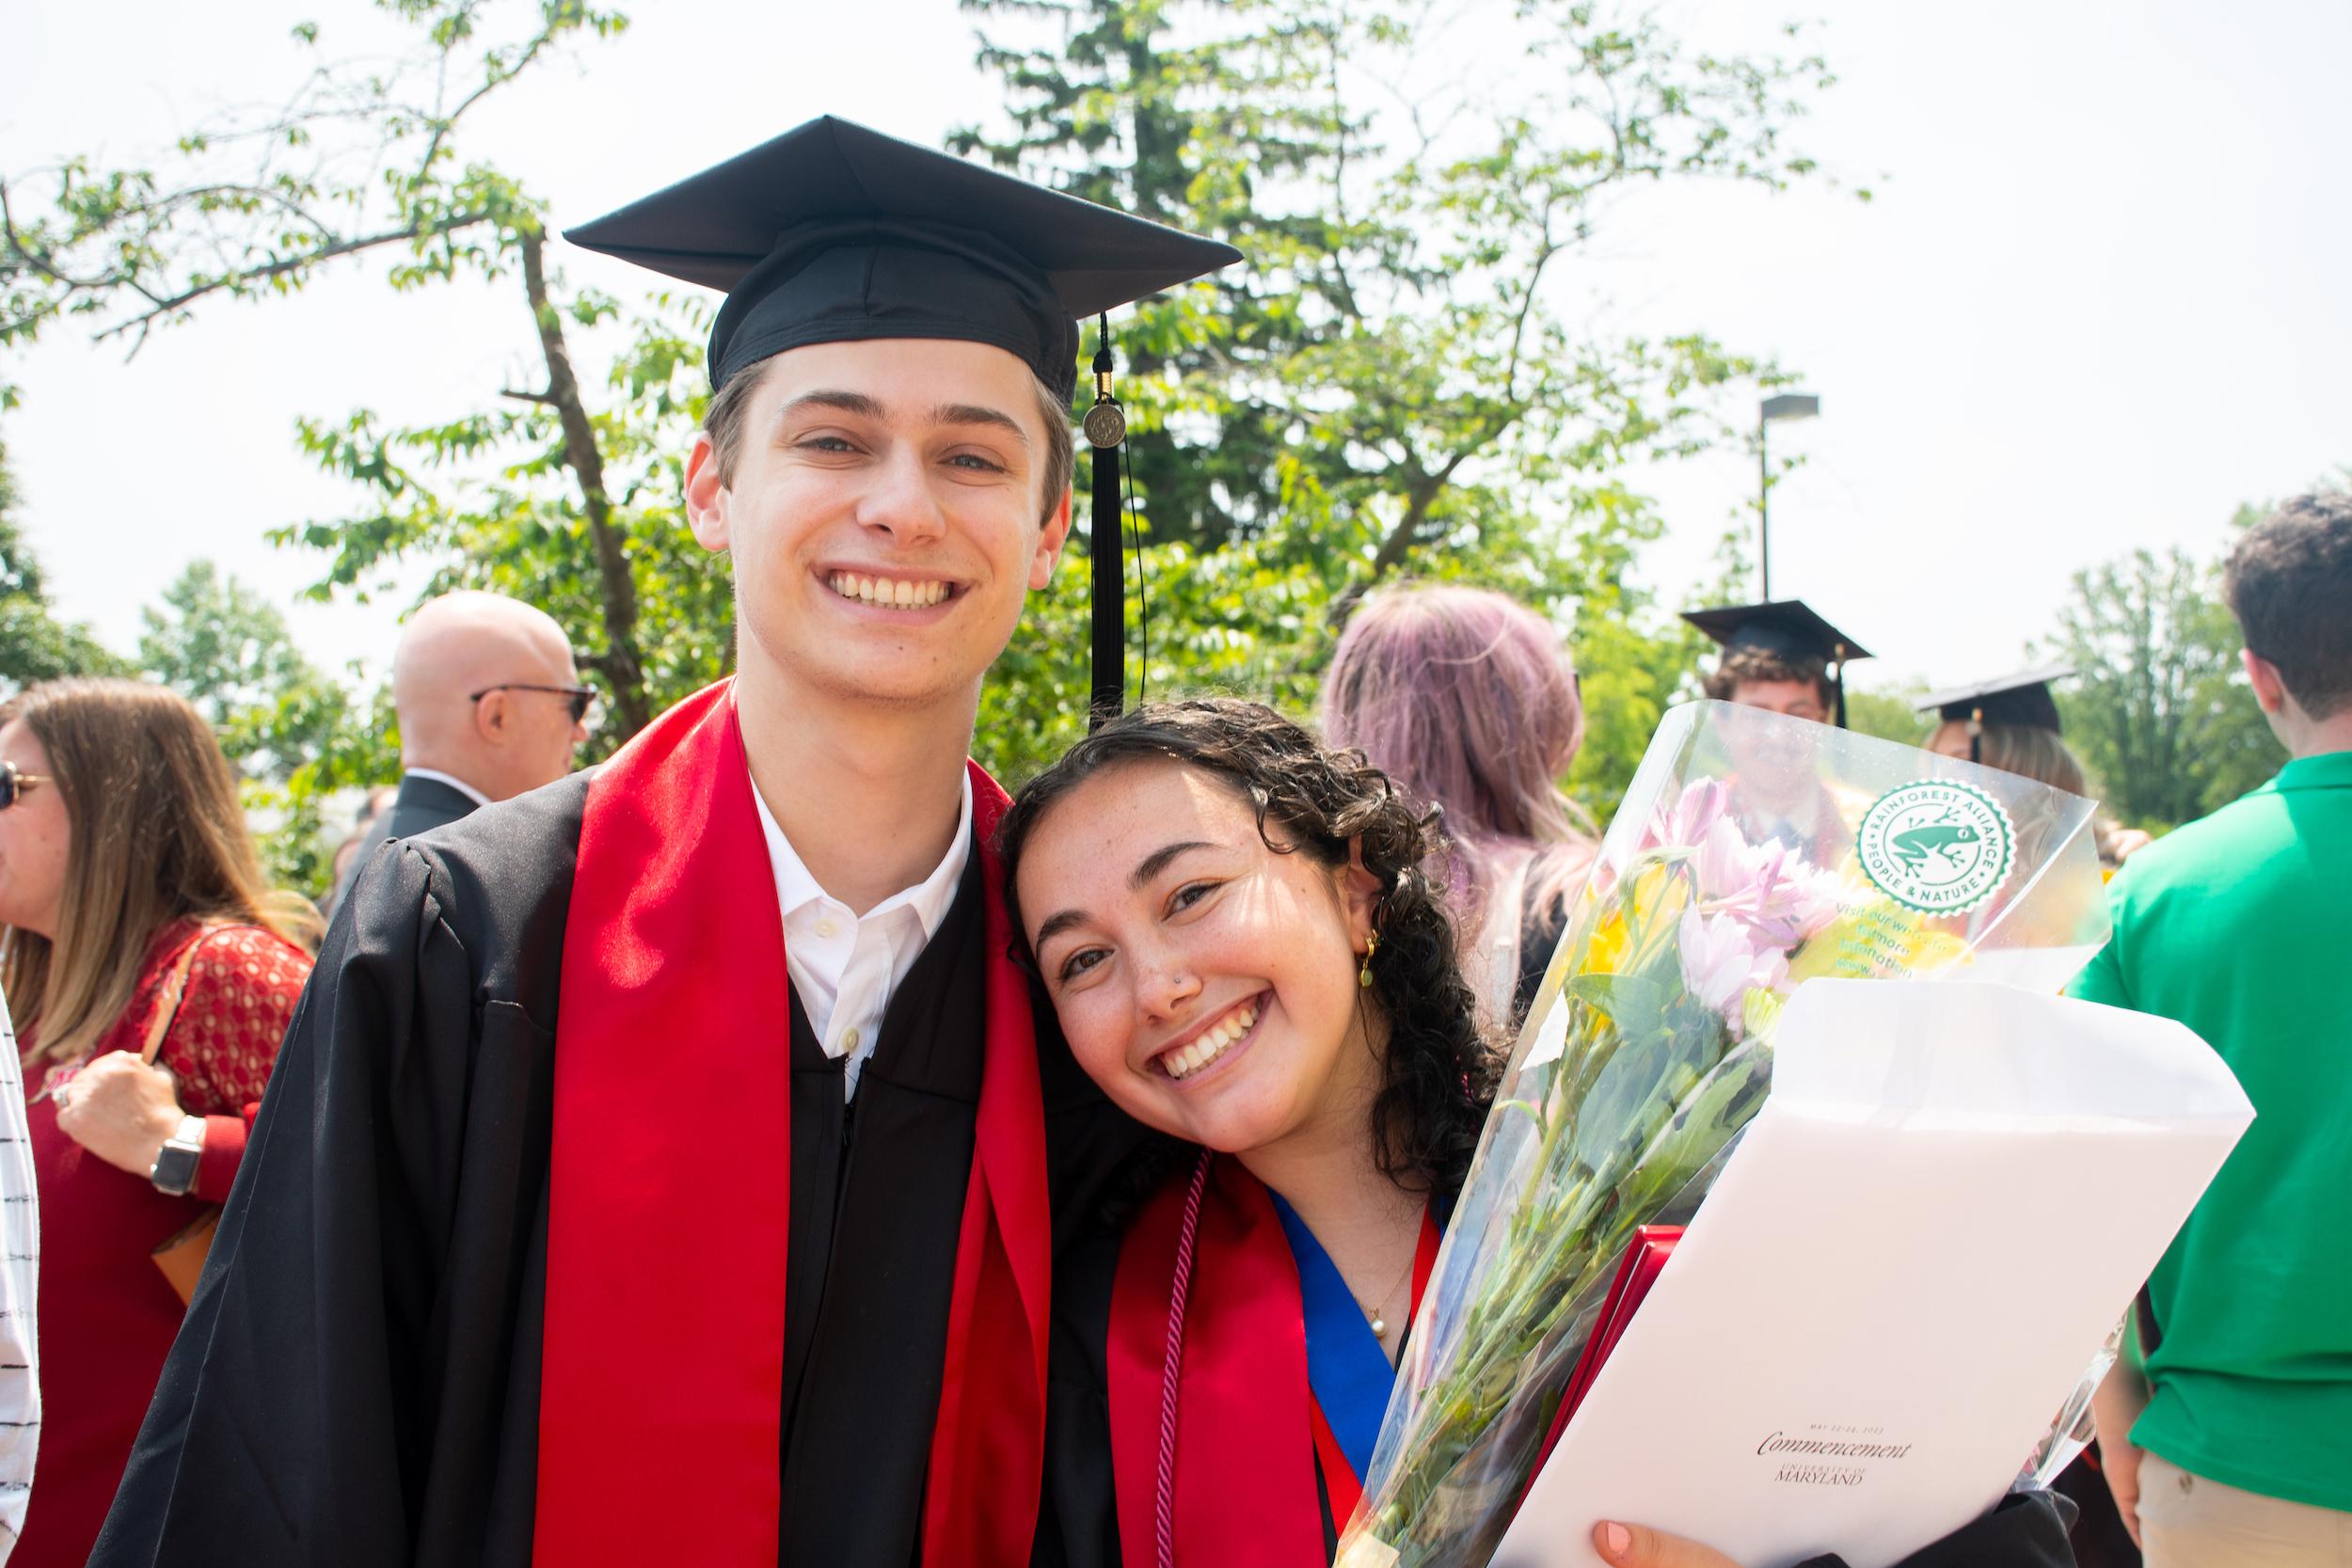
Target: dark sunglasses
[581, 695]
[13, 784]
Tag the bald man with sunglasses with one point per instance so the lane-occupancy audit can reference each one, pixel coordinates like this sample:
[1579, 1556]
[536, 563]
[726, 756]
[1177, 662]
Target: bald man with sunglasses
[490, 706]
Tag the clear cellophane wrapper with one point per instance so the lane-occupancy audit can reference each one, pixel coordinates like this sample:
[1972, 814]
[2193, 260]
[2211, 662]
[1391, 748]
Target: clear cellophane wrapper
[1752, 853]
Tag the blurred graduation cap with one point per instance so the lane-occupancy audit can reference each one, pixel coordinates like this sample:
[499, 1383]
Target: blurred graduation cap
[2023, 699]
[835, 233]
[1785, 629]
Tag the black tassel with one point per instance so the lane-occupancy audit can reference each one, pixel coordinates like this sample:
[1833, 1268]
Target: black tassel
[1106, 428]
[1842, 686]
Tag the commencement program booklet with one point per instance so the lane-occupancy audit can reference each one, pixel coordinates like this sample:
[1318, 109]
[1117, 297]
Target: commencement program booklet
[1875, 1314]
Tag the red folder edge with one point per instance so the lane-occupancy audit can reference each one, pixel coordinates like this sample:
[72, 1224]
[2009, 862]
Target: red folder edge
[1645, 1258]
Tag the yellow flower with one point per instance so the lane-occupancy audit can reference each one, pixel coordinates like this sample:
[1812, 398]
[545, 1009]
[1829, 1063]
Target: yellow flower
[1875, 940]
[1660, 895]
[1605, 953]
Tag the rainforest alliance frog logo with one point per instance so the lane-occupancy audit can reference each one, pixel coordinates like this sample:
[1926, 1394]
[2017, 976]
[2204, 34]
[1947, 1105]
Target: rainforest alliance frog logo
[1937, 846]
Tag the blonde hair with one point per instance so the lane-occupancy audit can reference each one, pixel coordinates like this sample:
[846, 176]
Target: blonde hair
[2044, 755]
[2035, 752]
[158, 837]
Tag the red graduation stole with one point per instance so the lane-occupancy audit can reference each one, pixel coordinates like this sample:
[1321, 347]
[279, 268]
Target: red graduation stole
[1249, 1432]
[661, 1402]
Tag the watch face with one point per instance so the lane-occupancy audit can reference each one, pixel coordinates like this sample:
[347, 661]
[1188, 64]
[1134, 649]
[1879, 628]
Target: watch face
[175, 1168]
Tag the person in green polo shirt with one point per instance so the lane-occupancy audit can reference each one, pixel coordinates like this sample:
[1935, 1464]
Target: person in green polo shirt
[2232, 1443]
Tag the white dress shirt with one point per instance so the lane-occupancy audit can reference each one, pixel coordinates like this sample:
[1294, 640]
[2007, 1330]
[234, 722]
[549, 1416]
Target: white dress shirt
[452, 781]
[844, 966]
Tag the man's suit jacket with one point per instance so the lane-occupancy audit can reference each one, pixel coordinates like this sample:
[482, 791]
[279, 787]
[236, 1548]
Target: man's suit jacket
[421, 803]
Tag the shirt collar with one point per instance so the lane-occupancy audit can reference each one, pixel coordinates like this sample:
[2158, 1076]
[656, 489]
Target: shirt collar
[929, 898]
[449, 779]
[2325, 770]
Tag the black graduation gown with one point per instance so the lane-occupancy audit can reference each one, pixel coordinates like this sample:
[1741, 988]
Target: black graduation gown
[1078, 1527]
[358, 1381]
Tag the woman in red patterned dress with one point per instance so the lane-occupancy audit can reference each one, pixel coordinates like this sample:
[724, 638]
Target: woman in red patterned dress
[129, 901]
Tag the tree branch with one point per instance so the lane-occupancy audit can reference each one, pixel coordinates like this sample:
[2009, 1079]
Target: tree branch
[235, 280]
[493, 78]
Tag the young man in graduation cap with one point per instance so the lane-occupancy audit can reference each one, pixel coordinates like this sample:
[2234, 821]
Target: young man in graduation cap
[656, 1168]
[1781, 658]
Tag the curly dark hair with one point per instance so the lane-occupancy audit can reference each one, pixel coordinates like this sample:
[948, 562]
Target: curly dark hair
[1438, 1074]
[1756, 664]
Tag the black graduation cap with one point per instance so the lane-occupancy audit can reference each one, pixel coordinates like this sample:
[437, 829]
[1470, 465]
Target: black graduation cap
[2023, 699]
[1787, 628]
[832, 232]
[835, 233]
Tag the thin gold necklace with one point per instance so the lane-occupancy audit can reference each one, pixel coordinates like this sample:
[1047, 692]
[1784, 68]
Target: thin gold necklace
[1380, 1324]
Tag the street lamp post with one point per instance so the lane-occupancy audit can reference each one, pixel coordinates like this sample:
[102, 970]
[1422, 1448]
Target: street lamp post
[1777, 408]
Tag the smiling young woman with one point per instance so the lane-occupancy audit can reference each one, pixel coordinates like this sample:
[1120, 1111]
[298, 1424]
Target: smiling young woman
[1246, 943]
[1246, 953]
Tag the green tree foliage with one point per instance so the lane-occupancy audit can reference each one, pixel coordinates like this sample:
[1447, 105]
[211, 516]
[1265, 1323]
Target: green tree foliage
[563, 494]
[496, 497]
[1387, 385]
[1888, 715]
[366, 158]
[2159, 709]
[296, 733]
[35, 645]
[1391, 386]
[362, 157]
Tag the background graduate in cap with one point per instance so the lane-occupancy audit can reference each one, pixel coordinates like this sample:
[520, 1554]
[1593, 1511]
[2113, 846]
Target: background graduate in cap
[1781, 658]
[2012, 723]
[656, 1169]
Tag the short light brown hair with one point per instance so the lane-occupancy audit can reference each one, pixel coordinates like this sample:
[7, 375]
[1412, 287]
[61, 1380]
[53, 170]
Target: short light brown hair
[158, 836]
[2289, 583]
[1740, 665]
[729, 407]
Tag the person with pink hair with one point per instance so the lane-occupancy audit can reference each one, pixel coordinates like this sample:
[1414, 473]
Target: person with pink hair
[1468, 699]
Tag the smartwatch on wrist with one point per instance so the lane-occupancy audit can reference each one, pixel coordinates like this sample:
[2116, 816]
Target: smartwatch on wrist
[174, 1170]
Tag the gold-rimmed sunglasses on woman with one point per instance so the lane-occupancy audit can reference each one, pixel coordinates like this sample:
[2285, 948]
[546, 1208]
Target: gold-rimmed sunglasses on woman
[14, 783]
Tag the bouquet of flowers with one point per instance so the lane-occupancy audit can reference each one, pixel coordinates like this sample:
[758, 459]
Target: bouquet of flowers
[1752, 852]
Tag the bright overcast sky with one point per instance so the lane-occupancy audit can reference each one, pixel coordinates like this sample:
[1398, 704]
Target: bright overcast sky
[2100, 300]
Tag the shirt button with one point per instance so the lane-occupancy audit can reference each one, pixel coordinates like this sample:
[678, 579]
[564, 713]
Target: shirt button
[828, 927]
[849, 1041]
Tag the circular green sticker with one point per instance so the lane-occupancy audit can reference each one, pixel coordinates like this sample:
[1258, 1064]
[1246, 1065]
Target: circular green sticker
[1937, 846]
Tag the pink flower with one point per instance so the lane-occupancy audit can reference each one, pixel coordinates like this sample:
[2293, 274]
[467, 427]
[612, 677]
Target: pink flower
[1726, 864]
[1691, 820]
[1702, 805]
[1779, 894]
[1723, 957]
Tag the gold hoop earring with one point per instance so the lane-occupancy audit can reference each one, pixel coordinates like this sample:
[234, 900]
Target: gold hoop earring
[1363, 976]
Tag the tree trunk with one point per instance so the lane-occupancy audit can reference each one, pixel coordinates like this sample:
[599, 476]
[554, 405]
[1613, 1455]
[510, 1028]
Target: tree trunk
[1420, 496]
[621, 664]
